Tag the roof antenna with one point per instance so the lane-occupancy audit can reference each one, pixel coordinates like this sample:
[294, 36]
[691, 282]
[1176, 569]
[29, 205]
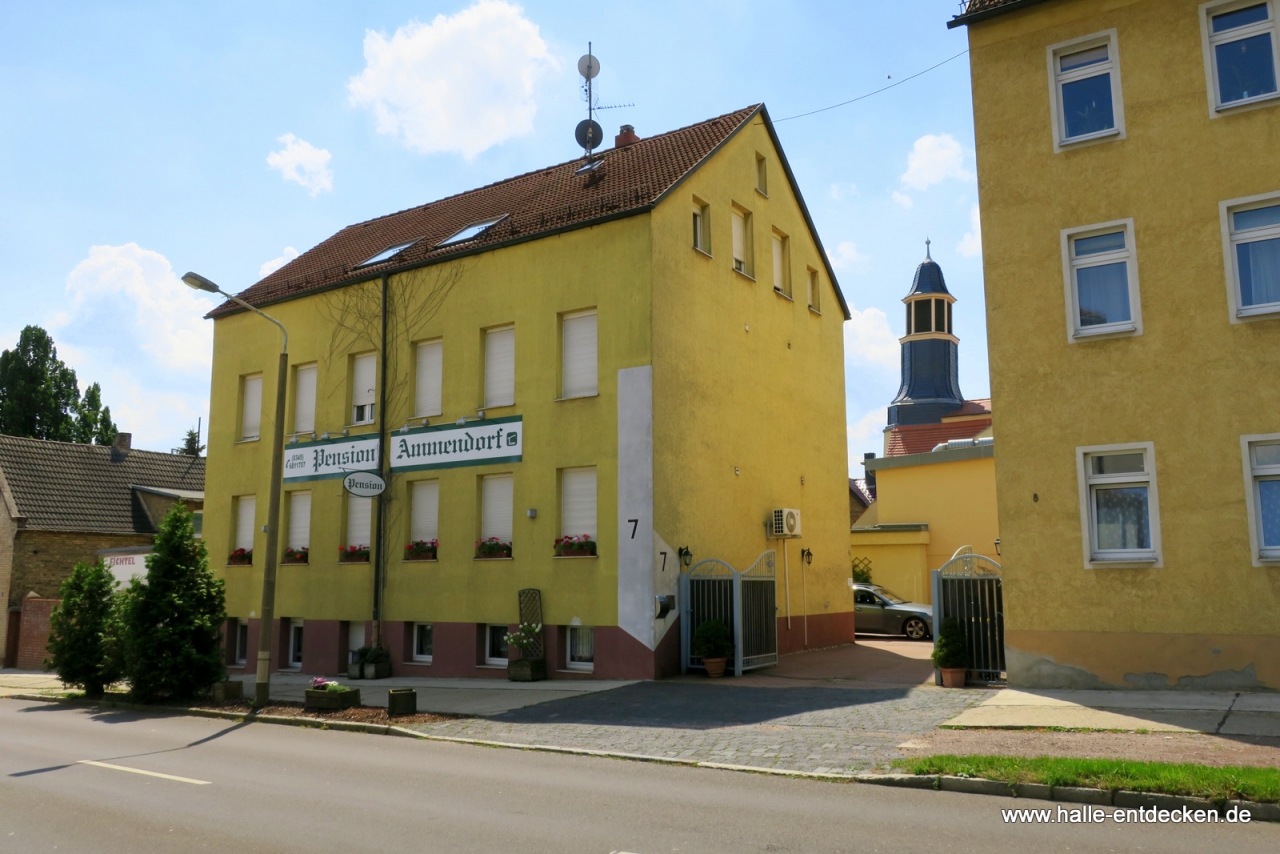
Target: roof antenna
[927, 256]
[589, 134]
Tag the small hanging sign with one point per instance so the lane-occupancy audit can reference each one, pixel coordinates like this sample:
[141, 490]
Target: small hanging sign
[365, 484]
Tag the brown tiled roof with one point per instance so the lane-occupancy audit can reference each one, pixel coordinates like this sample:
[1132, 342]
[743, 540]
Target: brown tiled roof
[630, 180]
[977, 10]
[64, 486]
[981, 406]
[923, 438]
[859, 492]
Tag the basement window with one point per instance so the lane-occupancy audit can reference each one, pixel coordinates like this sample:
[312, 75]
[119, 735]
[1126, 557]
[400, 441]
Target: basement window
[387, 254]
[471, 232]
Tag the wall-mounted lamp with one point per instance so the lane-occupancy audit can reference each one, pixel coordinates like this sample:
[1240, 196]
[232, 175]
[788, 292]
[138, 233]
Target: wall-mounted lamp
[464, 420]
[419, 418]
[346, 432]
[807, 556]
[997, 547]
[532, 513]
[324, 435]
[666, 604]
[686, 555]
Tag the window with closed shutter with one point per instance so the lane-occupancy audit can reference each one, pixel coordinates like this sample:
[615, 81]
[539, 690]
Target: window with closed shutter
[580, 353]
[739, 242]
[496, 506]
[251, 408]
[578, 502]
[427, 396]
[299, 520]
[500, 367]
[304, 399]
[364, 381]
[781, 279]
[359, 521]
[424, 520]
[246, 507]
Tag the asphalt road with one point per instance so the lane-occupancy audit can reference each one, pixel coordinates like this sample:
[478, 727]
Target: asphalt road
[265, 788]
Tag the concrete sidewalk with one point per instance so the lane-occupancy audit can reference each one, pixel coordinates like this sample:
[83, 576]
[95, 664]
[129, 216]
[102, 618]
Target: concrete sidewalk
[1218, 712]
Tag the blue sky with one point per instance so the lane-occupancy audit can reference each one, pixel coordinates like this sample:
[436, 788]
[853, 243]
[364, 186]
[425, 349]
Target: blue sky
[141, 140]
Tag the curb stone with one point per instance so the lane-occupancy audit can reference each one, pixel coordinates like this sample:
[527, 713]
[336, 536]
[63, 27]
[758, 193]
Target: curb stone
[1135, 800]
[974, 786]
[1082, 795]
[904, 781]
[1038, 791]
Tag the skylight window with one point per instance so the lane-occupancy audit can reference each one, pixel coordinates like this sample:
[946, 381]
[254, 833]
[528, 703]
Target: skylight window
[471, 232]
[387, 253]
[588, 167]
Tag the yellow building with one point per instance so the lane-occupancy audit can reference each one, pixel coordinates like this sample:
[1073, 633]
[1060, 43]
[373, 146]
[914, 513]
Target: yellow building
[612, 350]
[1129, 170]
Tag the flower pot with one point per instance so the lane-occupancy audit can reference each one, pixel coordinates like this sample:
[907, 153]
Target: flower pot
[715, 666]
[355, 670]
[229, 691]
[380, 670]
[953, 677]
[527, 670]
[402, 701]
[331, 700]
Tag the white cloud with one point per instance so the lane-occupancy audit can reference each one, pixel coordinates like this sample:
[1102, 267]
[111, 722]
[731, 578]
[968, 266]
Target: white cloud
[302, 163]
[869, 340]
[276, 263]
[843, 191]
[462, 83]
[902, 199]
[867, 433]
[933, 159]
[971, 244]
[847, 256]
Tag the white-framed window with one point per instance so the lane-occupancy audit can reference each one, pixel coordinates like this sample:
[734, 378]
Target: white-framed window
[762, 175]
[742, 252]
[579, 345]
[364, 388]
[251, 407]
[299, 520]
[701, 226]
[359, 521]
[1119, 510]
[1251, 246]
[1084, 75]
[813, 288]
[1100, 273]
[242, 641]
[578, 502]
[495, 646]
[1262, 495]
[781, 263]
[246, 508]
[423, 642]
[581, 654]
[424, 511]
[500, 367]
[496, 503]
[1240, 49]
[304, 398]
[429, 380]
[295, 645]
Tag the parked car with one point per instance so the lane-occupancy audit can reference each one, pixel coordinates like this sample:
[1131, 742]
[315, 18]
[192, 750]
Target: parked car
[879, 610]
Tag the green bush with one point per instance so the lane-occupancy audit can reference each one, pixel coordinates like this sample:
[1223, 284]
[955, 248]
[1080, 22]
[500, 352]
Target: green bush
[862, 575]
[950, 650]
[712, 640]
[172, 620]
[376, 655]
[81, 630]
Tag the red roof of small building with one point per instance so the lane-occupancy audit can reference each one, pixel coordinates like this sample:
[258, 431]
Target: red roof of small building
[981, 406]
[923, 438]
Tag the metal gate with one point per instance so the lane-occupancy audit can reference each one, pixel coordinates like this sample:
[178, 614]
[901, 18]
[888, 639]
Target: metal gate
[968, 588]
[745, 601]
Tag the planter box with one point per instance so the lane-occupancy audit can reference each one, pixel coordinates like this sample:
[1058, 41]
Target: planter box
[354, 559]
[229, 691]
[402, 701]
[331, 700]
[355, 670]
[239, 563]
[563, 552]
[527, 670]
[294, 562]
[381, 670]
[493, 555]
[427, 555]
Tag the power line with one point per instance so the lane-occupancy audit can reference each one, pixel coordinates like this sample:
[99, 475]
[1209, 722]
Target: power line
[876, 92]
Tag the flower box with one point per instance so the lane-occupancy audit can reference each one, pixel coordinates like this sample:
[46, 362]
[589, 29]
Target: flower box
[402, 701]
[377, 669]
[353, 554]
[527, 670]
[492, 548]
[302, 555]
[421, 550]
[240, 557]
[582, 546]
[325, 700]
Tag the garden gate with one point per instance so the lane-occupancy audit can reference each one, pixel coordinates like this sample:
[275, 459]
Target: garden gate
[745, 601]
[968, 588]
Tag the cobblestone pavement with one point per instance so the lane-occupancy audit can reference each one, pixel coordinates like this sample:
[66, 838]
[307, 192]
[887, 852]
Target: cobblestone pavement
[796, 729]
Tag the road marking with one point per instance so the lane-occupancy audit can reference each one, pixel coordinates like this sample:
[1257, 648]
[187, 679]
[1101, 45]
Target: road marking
[140, 771]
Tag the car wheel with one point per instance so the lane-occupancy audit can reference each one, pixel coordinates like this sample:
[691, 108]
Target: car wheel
[916, 629]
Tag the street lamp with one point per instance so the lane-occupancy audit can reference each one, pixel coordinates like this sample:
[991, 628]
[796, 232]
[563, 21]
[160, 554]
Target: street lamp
[262, 689]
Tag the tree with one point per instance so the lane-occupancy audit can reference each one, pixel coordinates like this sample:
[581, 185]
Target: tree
[93, 420]
[191, 445]
[38, 393]
[80, 630]
[173, 619]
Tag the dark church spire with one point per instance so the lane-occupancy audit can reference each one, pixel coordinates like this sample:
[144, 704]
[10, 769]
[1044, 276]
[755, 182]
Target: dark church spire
[930, 370]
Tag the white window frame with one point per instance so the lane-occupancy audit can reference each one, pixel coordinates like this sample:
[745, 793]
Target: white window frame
[371, 416]
[1131, 327]
[354, 502]
[294, 649]
[814, 285]
[569, 663]
[241, 641]
[304, 406]
[493, 526]
[293, 540]
[1238, 312]
[702, 227]
[245, 382]
[239, 537]
[593, 390]
[493, 396]
[422, 405]
[1099, 559]
[780, 257]
[1261, 557]
[417, 495]
[490, 659]
[1208, 40]
[744, 266]
[762, 175]
[1057, 78]
[580, 474]
[418, 657]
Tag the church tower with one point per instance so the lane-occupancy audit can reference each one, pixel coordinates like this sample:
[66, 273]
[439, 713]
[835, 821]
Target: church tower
[930, 372]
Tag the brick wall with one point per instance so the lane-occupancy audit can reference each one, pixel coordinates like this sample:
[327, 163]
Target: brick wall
[33, 641]
[43, 559]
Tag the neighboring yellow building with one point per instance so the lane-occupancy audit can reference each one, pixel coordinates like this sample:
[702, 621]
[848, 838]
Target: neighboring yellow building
[1129, 169]
[615, 348]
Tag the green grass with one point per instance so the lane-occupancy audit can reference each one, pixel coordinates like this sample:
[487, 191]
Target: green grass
[1230, 782]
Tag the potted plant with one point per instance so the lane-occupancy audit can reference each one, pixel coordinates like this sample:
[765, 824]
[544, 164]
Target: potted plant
[713, 643]
[492, 548]
[353, 554]
[240, 557]
[951, 654]
[301, 555]
[421, 550]
[377, 662]
[582, 546]
[528, 639]
[327, 695]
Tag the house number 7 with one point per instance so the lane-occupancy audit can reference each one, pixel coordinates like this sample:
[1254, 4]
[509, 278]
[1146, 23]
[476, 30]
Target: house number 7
[635, 523]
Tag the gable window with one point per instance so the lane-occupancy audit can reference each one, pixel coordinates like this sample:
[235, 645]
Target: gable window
[423, 642]
[299, 521]
[429, 382]
[1240, 52]
[246, 508]
[578, 342]
[762, 175]
[1251, 230]
[1086, 89]
[1118, 504]
[500, 367]
[582, 648]
[742, 252]
[1100, 273]
[364, 381]
[1262, 481]
[814, 292]
[251, 407]
[781, 263]
[424, 511]
[304, 399]
[701, 227]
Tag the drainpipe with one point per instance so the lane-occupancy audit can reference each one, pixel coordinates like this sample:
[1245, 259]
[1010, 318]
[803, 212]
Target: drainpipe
[380, 556]
[786, 580]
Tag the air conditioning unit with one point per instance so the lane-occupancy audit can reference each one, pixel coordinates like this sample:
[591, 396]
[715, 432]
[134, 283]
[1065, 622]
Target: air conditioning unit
[784, 523]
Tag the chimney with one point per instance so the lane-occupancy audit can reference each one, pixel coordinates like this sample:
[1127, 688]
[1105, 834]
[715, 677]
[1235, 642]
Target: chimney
[123, 441]
[626, 136]
[871, 474]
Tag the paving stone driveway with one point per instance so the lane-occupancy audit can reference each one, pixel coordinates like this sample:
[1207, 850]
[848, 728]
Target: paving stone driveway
[797, 729]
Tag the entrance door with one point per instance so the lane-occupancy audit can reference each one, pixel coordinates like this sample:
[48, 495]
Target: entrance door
[295, 644]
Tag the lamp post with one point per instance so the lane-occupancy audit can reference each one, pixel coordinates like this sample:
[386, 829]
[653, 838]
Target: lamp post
[262, 689]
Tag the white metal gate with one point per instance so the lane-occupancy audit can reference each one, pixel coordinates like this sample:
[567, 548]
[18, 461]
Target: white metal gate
[745, 601]
[969, 588]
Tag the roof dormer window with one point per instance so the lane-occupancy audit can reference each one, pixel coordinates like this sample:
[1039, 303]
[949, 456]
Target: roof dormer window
[471, 232]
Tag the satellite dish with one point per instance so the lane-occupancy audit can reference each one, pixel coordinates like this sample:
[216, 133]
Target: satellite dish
[588, 66]
[589, 134]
